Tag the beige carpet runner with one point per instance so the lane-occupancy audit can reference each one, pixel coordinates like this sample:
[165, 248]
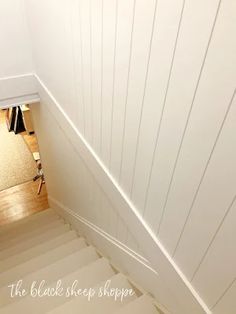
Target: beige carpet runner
[16, 161]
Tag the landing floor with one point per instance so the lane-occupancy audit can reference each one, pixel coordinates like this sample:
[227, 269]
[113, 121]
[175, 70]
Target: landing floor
[22, 200]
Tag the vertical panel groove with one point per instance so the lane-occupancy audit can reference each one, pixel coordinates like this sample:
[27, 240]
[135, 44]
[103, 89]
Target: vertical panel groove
[224, 293]
[162, 111]
[73, 62]
[188, 117]
[91, 73]
[143, 98]
[127, 89]
[101, 101]
[204, 172]
[113, 83]
[82, 68]
[213, 238]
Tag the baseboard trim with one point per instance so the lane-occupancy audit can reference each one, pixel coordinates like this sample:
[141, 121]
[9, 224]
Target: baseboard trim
[185, 294]
[140, 259]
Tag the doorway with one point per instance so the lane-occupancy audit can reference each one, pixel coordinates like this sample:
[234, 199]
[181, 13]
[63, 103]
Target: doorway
[19, 165]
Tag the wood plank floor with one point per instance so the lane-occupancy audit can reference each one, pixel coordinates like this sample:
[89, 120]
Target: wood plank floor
[22, 200]
[31, 141]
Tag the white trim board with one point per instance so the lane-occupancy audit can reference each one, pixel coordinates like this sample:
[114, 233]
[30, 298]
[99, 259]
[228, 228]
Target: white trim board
[188, 299]
[18, 101]
[18, 90]
[75, 217]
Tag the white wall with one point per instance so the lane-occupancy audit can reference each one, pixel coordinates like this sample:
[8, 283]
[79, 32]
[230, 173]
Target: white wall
[68, 179]
[15, 52]
[17, 84]
[151, 87]
[72, 188]
[82, 192]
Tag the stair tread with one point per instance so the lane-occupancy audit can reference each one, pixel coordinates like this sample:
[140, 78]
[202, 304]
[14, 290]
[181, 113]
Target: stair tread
[49, 233]
[37, 250]
[31, 225]
[97, 304]
[52, 272]
[40, 261]
[24, 221]
[6, 243]
[141, 305]
[42, 249]
[87, 276]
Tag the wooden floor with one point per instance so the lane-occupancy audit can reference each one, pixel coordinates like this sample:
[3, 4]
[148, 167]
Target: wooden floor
[22, 200]
[31, 141]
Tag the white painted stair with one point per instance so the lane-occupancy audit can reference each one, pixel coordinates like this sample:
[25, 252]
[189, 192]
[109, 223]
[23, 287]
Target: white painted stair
[43, 249]
[141, 305]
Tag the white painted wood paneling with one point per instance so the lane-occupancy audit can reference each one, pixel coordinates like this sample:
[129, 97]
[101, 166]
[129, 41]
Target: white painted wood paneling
[213, 199]
[125, 19]
[218, 265]
[148, 84]
[85, 16]
[108, 50]
[189, 57]
[96, 63]
[227, 304]
[162, 52]
[122, 231]
[145, 14]
[77, 62]
[97, 203]
[209, 109]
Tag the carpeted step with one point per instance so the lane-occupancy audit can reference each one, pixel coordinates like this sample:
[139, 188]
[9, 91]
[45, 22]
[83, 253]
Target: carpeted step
[60, 268]
[141, 305]
[37, 250]
[30, 234]
[87, 277]
[29, 226]
[29, 219]
[98, 304]
[55, 230]
[40, 261]
[43, 248]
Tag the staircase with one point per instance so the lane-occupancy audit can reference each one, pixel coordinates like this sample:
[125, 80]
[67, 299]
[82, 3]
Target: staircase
[42, 247]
